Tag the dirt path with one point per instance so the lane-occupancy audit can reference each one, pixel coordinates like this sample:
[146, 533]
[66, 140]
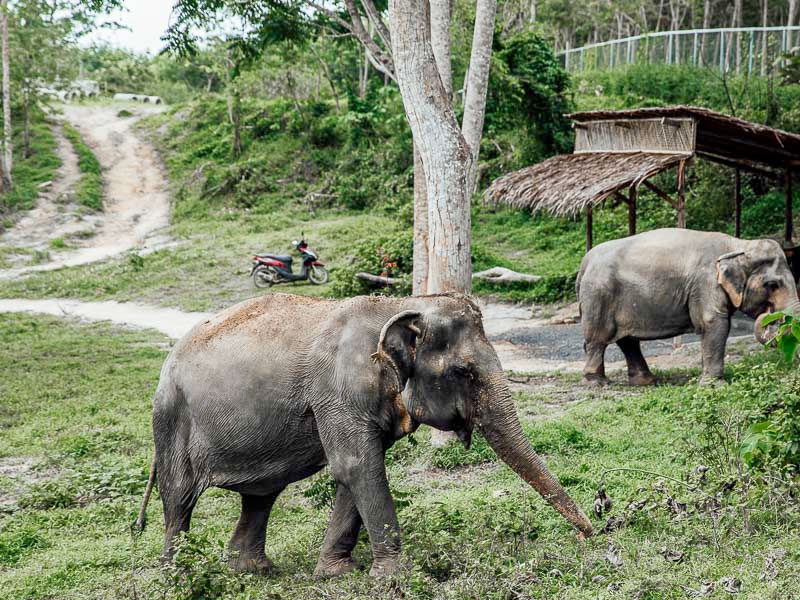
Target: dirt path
[523, 344]
[136, 198]
[56, 213]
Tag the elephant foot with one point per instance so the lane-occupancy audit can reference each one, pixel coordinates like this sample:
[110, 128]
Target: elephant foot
[642, 379]
[258, 565]
[711, 380]
[384, 567]
[334, 566]
[595, 379]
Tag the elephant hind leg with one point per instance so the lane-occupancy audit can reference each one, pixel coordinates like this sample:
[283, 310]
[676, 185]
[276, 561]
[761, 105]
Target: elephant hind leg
[638, 371]
[341, 537]
[247, 544]
[179, 502]
[594, 371]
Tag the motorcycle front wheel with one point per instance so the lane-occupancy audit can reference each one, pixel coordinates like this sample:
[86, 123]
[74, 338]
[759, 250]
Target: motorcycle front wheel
[262, 277]
[317, 275]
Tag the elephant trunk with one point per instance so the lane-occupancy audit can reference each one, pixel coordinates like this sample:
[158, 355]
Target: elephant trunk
[496, 418]
[762, 333]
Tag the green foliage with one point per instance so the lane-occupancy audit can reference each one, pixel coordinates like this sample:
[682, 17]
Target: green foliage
[787, 338]
[90, 186]
[30, 171]
[17, 543]
[322, 491]
[389, 255]
[198, 570]
[528, 89]
[454, 455]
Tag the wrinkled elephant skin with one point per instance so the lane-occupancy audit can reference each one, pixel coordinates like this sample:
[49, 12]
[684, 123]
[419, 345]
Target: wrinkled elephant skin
[668, 282]
[271, 390]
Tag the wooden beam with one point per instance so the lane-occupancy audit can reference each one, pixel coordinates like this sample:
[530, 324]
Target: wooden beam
[789, 226]
[589, 225]
[620, 197]
[744, 165]
[660, 193]
[682, 194]
[737, 199]
[632, 211]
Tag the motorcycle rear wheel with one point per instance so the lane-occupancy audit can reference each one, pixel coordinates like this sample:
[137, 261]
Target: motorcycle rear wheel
[263, 277]
[317, 275]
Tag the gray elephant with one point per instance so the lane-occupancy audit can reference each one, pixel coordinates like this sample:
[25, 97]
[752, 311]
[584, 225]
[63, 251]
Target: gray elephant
[271, 390]
[668, 282]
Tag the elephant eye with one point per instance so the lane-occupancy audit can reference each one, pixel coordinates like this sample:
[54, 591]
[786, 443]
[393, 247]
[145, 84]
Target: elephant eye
[772, 285]
[460, 372]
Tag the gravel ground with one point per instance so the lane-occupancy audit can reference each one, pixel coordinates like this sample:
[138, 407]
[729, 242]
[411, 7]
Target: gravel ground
[565, 342]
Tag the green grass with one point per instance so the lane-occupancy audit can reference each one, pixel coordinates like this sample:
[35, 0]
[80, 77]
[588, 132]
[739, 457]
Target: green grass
[30, 171]
[90, 186]
[76, 405]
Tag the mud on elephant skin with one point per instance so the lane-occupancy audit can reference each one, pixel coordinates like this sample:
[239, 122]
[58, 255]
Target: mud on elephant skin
[667, 282]
[256, 398]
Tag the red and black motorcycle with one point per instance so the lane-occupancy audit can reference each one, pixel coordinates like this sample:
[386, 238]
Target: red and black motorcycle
[271, 269]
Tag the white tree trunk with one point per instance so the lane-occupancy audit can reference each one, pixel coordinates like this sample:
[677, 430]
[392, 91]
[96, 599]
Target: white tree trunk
[441, 12]
[7, 144]
[445, 154]
[475, 98]
[419, 277]
[790, 21]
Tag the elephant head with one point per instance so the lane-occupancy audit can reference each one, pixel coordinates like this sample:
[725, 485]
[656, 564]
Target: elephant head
[455, 383]
[758, 281]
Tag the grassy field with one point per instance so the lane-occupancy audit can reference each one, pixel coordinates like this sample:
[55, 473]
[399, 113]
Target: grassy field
[76, 446]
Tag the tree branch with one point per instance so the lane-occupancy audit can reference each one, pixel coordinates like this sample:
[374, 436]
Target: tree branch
[377, 21]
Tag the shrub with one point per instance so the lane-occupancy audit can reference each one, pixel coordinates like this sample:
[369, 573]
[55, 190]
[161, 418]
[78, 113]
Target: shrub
[388, 255]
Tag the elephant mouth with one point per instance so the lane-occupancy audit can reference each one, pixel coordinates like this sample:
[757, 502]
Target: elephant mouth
[764, 334]
[465, 436]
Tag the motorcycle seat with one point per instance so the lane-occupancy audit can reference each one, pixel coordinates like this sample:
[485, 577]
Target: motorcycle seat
[284, 259]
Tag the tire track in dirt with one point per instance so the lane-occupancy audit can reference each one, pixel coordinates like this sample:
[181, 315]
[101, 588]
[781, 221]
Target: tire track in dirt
[136, 193]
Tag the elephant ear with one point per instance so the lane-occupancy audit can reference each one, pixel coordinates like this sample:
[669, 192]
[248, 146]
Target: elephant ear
[731, 275]
[398, 335]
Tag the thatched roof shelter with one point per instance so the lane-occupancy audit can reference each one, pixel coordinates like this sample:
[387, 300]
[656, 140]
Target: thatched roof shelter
[618, 151]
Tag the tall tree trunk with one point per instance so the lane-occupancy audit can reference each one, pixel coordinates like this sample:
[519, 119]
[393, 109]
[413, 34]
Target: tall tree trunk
[764, 44]
[7, 143]
[444, 151]
[478, 84]
[440, 14]
[706, 25]
[790, 21]
[419, 277]
[533, 11]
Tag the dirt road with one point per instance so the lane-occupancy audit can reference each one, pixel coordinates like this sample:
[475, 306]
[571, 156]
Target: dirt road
[136, 197]
[523, 344]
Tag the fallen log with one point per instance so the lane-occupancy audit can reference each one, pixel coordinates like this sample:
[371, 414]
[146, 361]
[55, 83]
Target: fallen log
[503, 275]
[377, 279]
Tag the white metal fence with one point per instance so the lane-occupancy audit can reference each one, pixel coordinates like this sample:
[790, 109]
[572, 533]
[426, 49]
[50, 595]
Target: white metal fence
[734, 50]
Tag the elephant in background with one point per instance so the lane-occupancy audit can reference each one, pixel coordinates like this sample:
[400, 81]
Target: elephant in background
[271, 390]
[667, 282]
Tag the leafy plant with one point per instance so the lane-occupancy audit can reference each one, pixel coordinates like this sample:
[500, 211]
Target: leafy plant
[788, 337]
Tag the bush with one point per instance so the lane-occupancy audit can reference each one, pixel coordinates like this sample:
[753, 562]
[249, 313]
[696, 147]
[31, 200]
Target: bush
[391, 256]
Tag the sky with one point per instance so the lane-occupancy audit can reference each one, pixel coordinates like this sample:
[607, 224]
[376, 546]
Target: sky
[147, 20]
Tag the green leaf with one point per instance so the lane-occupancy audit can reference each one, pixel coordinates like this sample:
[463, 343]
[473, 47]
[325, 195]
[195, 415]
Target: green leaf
[771, 318]
[788, 346]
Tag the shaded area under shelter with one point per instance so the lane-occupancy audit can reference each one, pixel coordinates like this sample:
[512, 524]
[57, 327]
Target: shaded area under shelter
[617, 152]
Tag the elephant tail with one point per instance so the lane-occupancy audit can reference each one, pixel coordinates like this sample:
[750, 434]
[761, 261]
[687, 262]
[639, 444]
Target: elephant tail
[138, 526]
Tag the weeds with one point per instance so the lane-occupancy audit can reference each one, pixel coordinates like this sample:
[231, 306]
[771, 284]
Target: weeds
[90, 186]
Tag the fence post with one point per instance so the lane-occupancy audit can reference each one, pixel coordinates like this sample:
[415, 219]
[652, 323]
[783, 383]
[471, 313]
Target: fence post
[721, 52]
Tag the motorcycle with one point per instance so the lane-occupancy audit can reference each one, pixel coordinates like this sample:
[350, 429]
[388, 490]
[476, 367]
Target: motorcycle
[271, 269]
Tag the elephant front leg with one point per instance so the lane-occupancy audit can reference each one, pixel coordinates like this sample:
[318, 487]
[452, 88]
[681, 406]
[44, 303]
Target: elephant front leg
[715, 338]
[358, 465]
[341, 537]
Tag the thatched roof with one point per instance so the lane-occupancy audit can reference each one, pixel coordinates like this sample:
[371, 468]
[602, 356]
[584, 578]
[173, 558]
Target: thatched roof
[719, 136]
[567, 184]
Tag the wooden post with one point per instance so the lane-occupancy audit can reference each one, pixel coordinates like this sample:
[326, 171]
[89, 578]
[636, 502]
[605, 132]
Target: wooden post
[588, 227]
[737, 198]
[681, 194]
[632, 211]
[788, 233]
